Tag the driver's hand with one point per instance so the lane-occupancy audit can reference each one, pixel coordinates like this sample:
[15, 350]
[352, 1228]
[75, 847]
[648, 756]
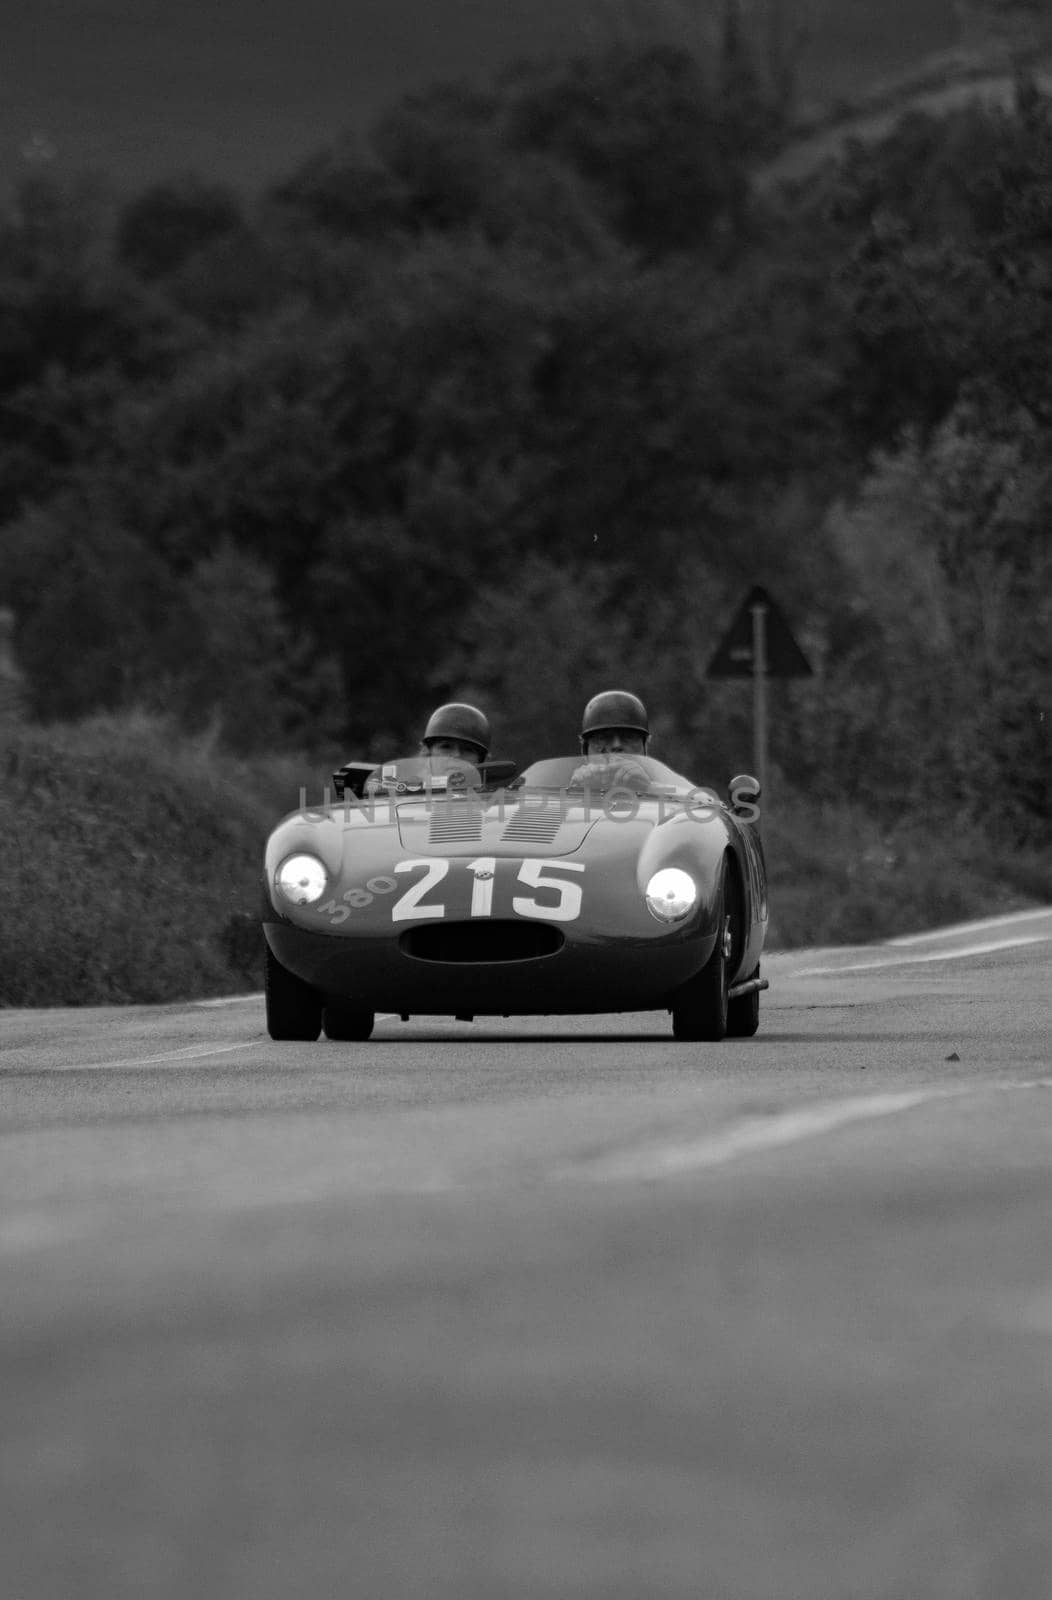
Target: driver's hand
[627, 775]
[591, 774]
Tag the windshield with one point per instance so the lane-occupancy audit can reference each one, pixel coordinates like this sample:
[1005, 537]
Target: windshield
[566, 775]
[435, 775]
[599, 774]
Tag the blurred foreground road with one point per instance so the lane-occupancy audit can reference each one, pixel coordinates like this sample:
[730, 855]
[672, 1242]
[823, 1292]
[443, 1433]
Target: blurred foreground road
[556, 1308]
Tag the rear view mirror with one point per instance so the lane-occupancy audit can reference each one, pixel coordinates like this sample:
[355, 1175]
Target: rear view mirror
[351, 776]
[494, 772]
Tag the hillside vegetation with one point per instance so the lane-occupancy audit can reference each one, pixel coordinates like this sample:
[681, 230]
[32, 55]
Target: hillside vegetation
[132, 860]
[518, 399]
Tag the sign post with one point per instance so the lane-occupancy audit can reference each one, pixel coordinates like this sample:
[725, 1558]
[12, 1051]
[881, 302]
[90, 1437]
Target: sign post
[759, 644]
[758, 611]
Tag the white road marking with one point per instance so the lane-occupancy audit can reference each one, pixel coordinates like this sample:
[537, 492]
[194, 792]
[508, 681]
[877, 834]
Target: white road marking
[230, 1000]
[244, 999]
[972, 927]
[933, 955]
[771, 1133]
[187, 1052]
[34, 1230]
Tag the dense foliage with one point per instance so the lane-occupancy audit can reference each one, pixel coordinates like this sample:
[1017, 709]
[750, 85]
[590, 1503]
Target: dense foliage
[132, 868]
[518, 400]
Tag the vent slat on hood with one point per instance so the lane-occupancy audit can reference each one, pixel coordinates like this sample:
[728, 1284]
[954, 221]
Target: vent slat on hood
[538, 824]
[459, 827]
[456, 822]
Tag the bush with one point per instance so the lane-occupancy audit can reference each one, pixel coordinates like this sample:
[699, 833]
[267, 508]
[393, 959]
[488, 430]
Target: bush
[132, 867]
[838, 875]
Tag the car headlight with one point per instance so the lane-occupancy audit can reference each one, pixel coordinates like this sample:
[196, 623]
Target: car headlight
[301, 879]
[671, 894]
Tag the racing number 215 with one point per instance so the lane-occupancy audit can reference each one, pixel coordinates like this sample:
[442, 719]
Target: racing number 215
[535, 874]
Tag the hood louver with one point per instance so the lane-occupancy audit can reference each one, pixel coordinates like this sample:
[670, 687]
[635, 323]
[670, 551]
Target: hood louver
[457, 823]
[463, 826]
[534, 825]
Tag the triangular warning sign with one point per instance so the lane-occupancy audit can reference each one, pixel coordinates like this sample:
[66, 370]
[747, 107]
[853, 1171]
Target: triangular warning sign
[783, 657]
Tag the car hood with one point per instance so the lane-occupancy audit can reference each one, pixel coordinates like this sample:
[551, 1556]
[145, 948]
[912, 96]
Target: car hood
[465, 826]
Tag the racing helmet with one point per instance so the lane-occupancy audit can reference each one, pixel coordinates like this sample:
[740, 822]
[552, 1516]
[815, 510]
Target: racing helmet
[614, 708]
[459, 721]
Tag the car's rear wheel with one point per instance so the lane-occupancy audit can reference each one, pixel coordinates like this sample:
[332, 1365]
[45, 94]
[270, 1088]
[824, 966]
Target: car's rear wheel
[700, 1007]
[743, 1013]
[339, 1023]
[293, 1007]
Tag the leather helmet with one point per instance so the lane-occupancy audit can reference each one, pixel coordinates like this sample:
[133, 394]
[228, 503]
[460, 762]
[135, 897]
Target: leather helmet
[459, 721]
[615, 708]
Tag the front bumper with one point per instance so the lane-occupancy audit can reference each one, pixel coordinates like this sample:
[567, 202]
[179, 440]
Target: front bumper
[600, 975]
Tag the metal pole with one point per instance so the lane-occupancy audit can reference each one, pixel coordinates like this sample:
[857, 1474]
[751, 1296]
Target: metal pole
[759, 694]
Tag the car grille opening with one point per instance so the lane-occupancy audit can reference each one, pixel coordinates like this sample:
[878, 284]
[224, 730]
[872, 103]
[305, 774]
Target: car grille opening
[482, 941]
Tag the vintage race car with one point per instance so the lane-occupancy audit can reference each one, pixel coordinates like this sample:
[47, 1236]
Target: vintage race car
[428, 886]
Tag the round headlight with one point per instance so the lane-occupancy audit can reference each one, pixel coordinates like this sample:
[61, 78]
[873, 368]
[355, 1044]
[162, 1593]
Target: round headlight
[671, 894]
[301, 879]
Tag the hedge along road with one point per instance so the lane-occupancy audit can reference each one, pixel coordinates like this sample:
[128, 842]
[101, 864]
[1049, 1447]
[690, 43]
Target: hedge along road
[541, 1308]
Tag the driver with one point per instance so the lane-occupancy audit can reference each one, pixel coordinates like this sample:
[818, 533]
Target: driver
[615, 723]
[457, 731]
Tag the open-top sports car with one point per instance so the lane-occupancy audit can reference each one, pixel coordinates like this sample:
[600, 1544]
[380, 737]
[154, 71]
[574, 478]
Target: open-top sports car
[430, 886]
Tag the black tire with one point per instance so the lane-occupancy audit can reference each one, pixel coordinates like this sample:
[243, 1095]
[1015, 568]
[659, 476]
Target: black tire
[340, 1023]
[293, 1007]
[743, 1014]
[700, 1007]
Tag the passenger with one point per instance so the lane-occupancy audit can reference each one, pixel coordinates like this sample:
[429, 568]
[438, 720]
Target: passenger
[457, 731]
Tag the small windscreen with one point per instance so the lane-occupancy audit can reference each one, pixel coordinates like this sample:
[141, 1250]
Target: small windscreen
[436, 775]
[600, 774]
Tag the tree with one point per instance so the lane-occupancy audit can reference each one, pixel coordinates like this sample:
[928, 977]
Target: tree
[441, 149]
[76, 331]
[937, 684]
[340, 191]
[639, 126]
[100, 623]
[538, 649]
[163, 226]
[244, 674]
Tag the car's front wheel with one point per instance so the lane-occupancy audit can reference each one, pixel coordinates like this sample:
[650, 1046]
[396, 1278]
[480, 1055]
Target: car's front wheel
[700, 1007]
[293, 1007]
[339, 1023]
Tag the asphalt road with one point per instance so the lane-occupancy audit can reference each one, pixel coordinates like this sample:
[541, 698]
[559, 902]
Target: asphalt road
[549, 1309]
